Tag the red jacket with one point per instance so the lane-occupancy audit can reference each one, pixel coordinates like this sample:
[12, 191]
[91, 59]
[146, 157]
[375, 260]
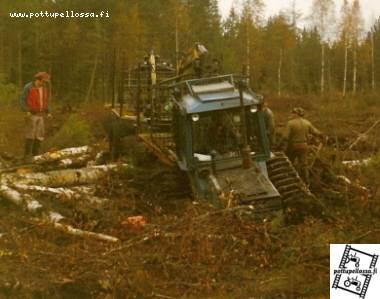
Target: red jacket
[31, 99]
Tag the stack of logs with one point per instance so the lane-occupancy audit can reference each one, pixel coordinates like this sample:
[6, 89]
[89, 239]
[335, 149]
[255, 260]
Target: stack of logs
[66, 175]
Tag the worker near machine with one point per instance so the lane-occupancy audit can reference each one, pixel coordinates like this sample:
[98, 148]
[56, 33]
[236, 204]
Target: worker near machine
[270, 123]
[215, 67]
[298, 129]
[35, 102]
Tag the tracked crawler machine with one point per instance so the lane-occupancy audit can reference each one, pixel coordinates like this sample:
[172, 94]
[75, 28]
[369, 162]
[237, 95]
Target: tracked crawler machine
[210, 127]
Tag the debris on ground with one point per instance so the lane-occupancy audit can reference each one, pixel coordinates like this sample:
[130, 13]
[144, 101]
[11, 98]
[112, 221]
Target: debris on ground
[95, 230]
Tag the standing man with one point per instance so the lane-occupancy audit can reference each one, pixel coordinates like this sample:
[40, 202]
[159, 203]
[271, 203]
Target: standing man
[298, 129]
[270, 123]
[35, 102]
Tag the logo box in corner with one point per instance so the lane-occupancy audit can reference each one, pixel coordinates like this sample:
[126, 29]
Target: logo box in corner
[354, 271]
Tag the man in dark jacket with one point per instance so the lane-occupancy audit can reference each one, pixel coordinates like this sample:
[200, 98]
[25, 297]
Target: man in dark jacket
[298, 130]
[35, 102]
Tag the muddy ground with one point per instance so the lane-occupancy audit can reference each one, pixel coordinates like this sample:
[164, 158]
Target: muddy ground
[189, 249]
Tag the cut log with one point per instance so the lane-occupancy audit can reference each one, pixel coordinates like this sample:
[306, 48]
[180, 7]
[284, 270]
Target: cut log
[83, 233]
[54, 219]
[19, 188]
[83, 193]
[22, 200]
[62, 154]
[88, 189]
[12, 195]
[80, 161]
[72, 162]
[25, 201]
[66, 177]
[357, 162]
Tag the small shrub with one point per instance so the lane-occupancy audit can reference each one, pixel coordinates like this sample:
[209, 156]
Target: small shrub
[74, 132]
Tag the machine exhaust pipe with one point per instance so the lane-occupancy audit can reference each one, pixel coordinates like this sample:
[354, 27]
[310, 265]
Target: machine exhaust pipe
[246, 149]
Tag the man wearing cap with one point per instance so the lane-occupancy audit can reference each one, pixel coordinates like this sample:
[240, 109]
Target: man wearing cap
[35, 102]
[298, 129]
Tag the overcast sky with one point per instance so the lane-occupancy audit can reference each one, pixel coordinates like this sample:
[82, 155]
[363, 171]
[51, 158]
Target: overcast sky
[370, 8]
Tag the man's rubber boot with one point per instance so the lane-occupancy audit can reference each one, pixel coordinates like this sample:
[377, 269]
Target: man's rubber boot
[36, 147]
[28, 151]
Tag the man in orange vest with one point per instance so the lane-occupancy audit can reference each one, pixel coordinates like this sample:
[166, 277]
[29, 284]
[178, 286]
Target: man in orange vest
[35, 102]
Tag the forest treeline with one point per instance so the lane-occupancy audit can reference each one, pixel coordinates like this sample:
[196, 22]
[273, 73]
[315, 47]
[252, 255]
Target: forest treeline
[340, 59]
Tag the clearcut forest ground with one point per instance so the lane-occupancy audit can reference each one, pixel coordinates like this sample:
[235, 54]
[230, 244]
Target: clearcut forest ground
[186, 250]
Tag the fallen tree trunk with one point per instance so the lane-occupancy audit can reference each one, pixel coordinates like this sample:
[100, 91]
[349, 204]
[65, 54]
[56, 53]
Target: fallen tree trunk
[83, 233]
[66, 177]
[20, 187]
[54, 219]
[25, 201]
[62, 154]
[80, 161]
[65, 194]
[54, 160]
[22, 200]
[356, 162]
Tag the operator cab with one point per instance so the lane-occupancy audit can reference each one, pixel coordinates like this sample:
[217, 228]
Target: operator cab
[211, 110]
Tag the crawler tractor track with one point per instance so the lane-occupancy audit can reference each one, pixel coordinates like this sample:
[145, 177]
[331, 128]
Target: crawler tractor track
[297, 199]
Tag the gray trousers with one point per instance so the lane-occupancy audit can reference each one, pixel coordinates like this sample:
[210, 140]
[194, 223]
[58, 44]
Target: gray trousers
[35, 127]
